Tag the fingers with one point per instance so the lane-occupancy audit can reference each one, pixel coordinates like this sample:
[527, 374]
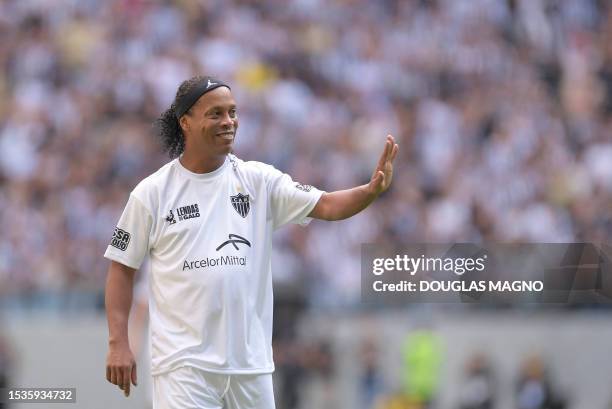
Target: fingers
[126, 383]
[113, 376]
[394, 152]
[389, 152]
[129, 374]
[123, 381]
[384, 154]
[384, 171]
[121, 376]
[378, 180]
[393, 148]
[134, 375]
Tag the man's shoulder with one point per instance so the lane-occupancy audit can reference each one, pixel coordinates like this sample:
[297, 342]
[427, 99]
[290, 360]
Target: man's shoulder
[255, 168]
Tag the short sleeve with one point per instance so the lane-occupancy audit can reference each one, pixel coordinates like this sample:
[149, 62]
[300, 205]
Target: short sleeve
[290, 202]
[130, 241]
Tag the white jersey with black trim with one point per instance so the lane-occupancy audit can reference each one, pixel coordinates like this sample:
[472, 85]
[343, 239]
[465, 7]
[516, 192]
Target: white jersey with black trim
[209, 240]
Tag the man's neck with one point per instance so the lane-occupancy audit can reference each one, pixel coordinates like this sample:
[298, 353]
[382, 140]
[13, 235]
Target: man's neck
[201, 164]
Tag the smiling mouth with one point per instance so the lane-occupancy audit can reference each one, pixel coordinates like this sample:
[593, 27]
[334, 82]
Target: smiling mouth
[226, 135]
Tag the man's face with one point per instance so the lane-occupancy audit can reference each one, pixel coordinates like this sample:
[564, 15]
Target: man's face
[211, 125]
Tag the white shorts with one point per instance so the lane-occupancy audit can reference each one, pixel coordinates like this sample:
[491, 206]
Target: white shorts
[192, 388]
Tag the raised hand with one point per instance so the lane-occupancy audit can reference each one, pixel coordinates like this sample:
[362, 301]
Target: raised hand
[381, 178]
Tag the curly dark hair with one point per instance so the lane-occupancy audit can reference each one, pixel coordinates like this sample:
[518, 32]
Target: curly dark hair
[167, 126]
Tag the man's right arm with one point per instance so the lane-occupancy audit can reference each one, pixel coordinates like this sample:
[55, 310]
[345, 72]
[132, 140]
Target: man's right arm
[120, 362]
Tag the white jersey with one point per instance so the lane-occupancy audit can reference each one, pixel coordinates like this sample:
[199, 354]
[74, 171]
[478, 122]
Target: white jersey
[209, 240]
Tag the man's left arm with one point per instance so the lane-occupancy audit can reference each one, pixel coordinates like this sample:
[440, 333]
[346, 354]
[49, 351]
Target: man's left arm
[342, 204]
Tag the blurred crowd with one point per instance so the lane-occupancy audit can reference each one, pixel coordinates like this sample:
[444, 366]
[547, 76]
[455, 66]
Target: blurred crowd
[502, 110]
[309, 379]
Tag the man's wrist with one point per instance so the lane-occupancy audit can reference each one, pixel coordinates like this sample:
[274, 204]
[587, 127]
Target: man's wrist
[370, 192]
[118, 342]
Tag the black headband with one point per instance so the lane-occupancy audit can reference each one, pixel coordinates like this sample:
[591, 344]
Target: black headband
[186, 101]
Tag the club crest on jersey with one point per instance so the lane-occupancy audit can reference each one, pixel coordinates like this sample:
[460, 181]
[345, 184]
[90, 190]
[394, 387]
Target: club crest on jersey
[241, 204]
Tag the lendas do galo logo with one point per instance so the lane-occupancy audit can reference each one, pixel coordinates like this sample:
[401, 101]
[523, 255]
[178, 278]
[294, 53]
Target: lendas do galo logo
[183, 213]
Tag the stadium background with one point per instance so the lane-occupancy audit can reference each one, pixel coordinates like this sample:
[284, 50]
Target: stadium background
[502, 109]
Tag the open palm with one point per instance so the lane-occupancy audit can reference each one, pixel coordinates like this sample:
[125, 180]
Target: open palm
[381, 178]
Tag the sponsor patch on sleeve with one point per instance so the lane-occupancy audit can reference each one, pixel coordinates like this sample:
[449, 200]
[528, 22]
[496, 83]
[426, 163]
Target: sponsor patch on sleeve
[120, 239]
[305, 188]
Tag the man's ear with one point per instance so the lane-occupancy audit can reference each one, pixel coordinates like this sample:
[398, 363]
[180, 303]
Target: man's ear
[184, 123]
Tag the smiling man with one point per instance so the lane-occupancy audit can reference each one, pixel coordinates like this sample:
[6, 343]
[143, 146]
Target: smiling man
[206, 219]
